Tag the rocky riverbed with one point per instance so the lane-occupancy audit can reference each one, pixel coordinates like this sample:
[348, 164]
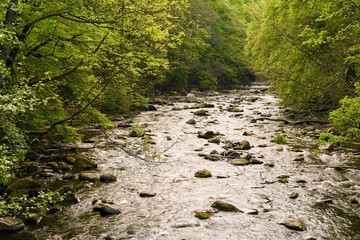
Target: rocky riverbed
[206, 166]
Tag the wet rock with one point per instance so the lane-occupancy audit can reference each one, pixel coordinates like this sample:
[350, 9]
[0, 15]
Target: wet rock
[147, 194]
[191, 121]
[82, 163]
[33, 219]
[222, 176]
[108, 178]
[294, 195]
[207, 135]
[295, 225]
[240, 162]
[262, 145]
[151, 107]
[10, 224]
[256, 161]
[203, 215]
[327, 201]
[204, 173]
[69, 176]
[270, 164]
[207, 105]
[106, 210]
[327, 146]
[54, 209]
[202, 113]
[25, 186]
[124, 125]
[214, 152]
[92, 177]
[213, 157]
[225, 207]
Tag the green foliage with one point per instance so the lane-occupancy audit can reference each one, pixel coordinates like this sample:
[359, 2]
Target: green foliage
[207, 80]
[330, 138]
[309, 50]
[280, 139]
[347, 117]
[24, 205]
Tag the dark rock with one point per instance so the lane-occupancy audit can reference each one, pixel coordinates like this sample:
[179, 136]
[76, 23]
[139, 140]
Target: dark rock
[10, 224]
[53, 165]
[207, 135]
[295, 225]
[82, 163]
[216, 140]
[231, 154]
[33, 219]
[147, 195]
[204, 173]
[25, 186]
[191, 121]
[207, 105]
[108, 178]
[247, 133]
[55, 209]
[31, 168]
[252, 212]
[255, 161]
[151, 107]
[124, 125]
[106, 210]
[225, 207]
[64, 166]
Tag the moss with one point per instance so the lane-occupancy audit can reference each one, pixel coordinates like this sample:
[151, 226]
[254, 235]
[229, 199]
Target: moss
[225, 207]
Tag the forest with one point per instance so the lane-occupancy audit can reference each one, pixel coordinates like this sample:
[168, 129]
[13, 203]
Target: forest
[68, 64]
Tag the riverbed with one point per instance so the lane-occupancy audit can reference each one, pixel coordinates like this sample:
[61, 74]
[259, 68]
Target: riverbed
[326, 182]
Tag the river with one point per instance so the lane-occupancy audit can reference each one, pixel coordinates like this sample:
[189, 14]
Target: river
[327, 182]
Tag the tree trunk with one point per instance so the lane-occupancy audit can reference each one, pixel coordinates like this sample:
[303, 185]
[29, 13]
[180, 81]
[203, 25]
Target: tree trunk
[8, 23]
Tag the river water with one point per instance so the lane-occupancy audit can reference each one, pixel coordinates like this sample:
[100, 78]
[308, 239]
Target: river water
[327, 182]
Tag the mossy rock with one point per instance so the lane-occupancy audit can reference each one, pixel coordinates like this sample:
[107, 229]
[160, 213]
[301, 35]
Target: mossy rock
[53, 165]
[204, 173]
[234, 109]
[295, 225]
[31, 168]
[225, 207]
[240, 162]
[202, 112]
[82, 163]
[24, 186]
[204, 215]
[207, 135]
[137, 132]
[214, 140]
[64, 166]
[191, 121]
[108, 178]
[69, 194]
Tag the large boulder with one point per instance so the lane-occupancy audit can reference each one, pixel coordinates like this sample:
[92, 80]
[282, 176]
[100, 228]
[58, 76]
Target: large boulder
[25, 186]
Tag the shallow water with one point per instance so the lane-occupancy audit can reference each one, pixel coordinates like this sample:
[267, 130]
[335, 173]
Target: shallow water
[170, 214]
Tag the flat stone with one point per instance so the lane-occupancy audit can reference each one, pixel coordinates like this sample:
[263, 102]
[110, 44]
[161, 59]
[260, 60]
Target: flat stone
[203, 215]
[108, 178]
[239, 162]
[225, 207]
[11, 224]
[213, 157]
[92, 177]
